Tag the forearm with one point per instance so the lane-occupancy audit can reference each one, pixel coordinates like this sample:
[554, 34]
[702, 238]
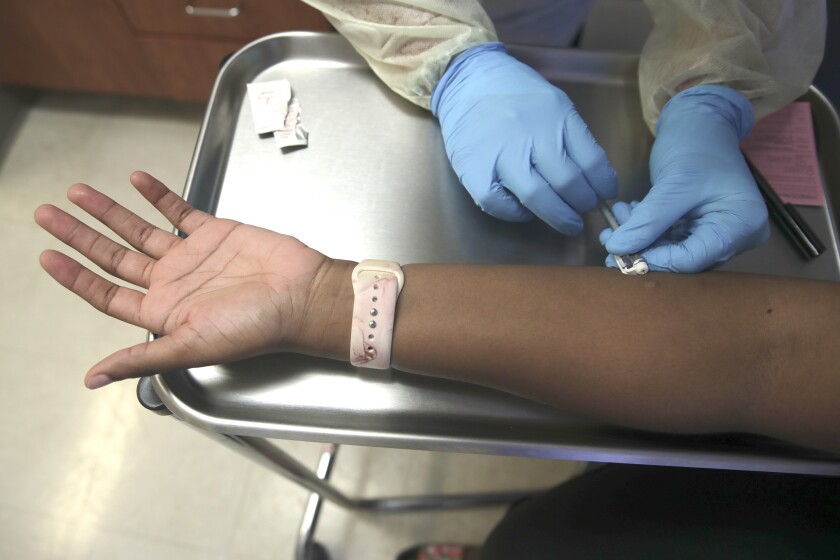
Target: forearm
[701, 353]
[707, 353]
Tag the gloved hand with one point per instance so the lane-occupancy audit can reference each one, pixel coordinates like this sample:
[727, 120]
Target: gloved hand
[704, 206]
[517, 143]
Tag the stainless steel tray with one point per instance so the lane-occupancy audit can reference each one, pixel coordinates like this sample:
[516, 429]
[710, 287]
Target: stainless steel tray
[375, 183]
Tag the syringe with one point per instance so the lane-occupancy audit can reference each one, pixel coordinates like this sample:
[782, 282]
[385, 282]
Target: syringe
[634, 265]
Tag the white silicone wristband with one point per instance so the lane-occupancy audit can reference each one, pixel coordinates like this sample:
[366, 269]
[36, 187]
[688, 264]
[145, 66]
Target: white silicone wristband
[376, 287]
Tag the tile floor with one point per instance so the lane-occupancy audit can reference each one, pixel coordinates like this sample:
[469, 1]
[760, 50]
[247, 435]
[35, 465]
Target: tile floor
[90, 475]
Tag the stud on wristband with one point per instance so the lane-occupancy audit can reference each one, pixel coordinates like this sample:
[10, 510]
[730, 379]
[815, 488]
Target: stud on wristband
[376, 286]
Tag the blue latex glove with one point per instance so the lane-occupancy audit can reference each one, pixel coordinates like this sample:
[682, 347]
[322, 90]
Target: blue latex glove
[704, 206]
[517, 143]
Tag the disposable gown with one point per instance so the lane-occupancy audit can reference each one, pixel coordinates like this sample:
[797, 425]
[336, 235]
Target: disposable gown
[769, 50]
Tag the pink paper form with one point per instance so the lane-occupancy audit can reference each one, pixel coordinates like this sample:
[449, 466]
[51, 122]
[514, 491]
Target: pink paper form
[782, 147]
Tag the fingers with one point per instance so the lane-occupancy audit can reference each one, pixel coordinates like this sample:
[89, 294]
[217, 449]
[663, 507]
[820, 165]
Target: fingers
[112, 257]
[705, 247]
[589, 157]
[652, 217]
[500, 203]
[175, 209]
[710, 242]
[142, 235]
[538, 196]
[559, 178]
[621, 211]
[109, 298]
[562, 176]
[488, 193]
[701, 250]
[662, 254]
[693, 245]
[516, 170]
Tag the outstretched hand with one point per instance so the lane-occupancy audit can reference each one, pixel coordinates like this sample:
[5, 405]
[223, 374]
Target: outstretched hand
[226, 291]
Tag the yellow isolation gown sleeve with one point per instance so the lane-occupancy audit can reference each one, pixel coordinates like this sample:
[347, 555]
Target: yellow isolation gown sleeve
[409, 44]
[769, 50]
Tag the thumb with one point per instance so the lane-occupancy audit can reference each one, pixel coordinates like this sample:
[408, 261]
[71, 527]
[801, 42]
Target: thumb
[149, 358]
[647, 221]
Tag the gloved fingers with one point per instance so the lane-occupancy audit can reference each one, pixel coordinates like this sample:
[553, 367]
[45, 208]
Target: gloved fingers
[609, 261]
[707, 242]
[587, 154]
[695, 245]
[647, 221]
[563, 175]
[622, 210]
[491, 195]
[538, 197]
[704, 248]
[500, 203]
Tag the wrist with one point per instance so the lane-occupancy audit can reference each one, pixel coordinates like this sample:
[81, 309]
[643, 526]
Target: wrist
[460, 62]
[709, 103]
[327, 317]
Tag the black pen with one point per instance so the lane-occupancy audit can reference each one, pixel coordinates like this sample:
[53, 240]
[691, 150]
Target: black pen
[788, 219]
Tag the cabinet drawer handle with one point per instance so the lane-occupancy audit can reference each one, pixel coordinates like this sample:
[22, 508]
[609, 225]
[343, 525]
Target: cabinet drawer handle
[199, 11]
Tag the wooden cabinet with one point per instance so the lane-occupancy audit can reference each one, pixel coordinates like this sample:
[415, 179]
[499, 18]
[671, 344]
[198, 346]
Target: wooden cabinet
[156, 48]
[222, 19]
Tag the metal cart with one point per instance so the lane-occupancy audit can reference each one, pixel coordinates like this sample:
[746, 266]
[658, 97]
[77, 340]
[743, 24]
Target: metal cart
[375, 157]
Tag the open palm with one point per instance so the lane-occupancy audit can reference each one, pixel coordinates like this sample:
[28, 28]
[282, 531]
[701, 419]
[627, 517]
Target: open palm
[226, 291]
